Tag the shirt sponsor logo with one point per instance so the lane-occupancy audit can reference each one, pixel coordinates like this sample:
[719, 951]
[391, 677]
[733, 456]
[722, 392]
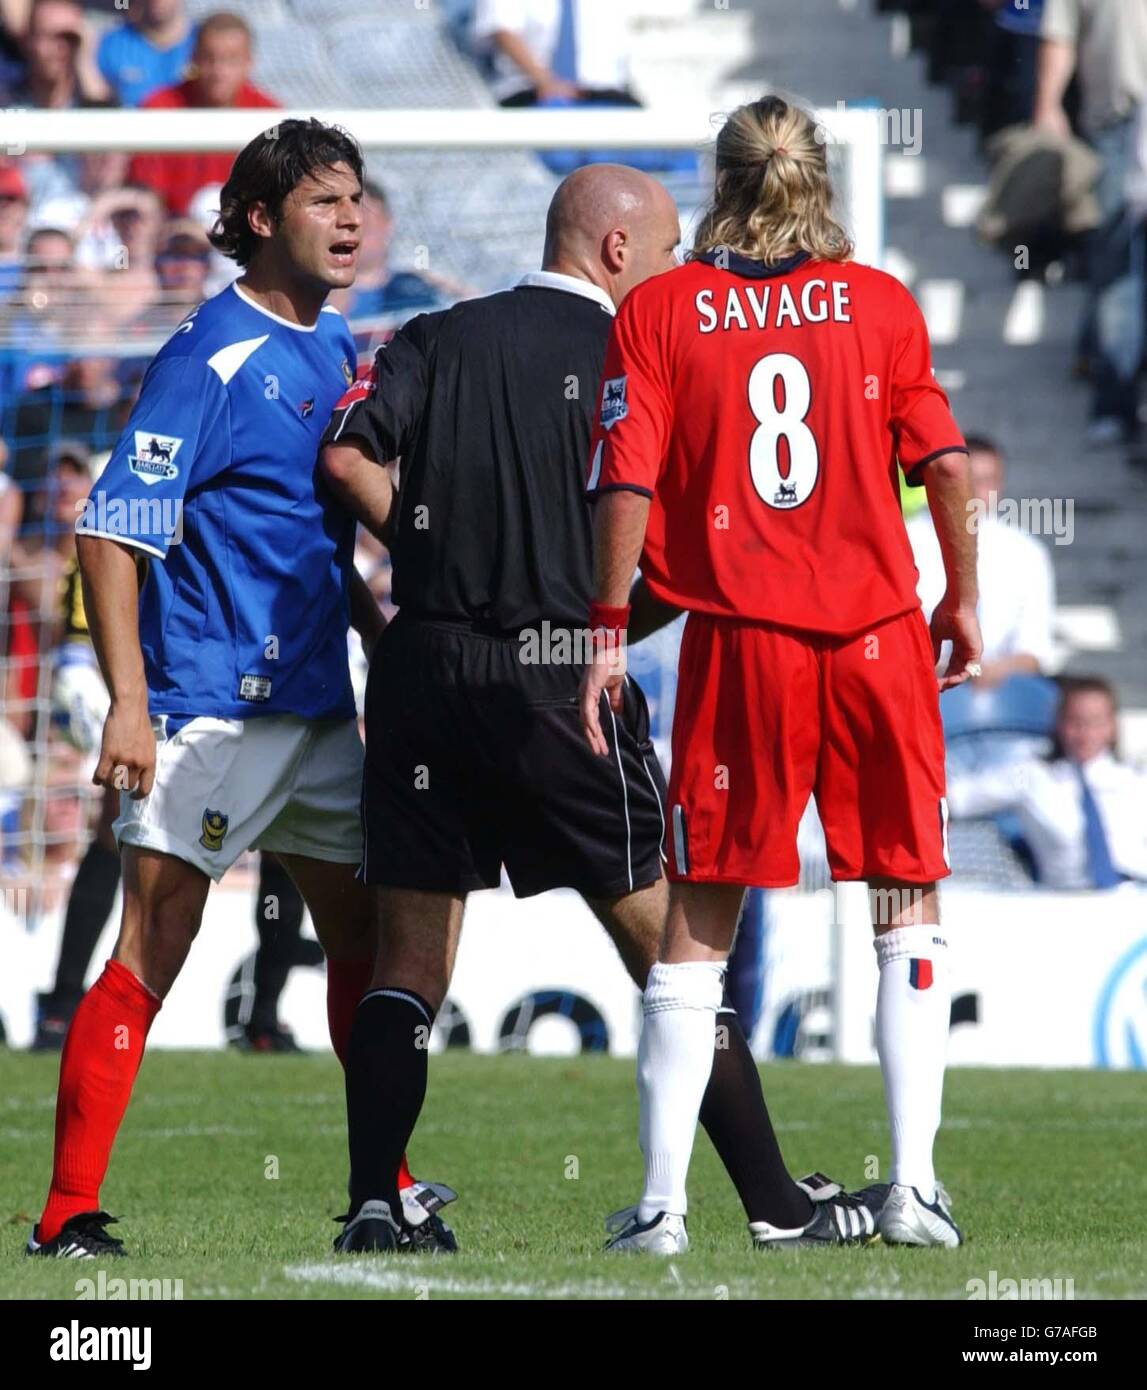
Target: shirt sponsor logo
[614, 406]
[214, 828]
[154, 457]
[255, 688]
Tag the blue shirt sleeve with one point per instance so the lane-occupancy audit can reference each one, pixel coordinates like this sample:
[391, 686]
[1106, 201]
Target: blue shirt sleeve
[178, 437]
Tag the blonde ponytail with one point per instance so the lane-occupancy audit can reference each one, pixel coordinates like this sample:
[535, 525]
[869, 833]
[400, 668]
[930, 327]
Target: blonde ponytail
[772, 196]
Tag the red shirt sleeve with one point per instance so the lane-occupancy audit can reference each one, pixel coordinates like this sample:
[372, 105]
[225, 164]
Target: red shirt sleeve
[922, 422]
[633, 412]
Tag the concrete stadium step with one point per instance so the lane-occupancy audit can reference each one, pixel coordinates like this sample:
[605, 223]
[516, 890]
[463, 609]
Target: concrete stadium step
[1007, 344]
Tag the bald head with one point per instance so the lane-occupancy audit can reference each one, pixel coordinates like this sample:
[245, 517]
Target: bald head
[611, 225]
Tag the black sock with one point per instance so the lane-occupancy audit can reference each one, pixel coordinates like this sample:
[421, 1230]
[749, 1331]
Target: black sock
[89, 907]
[385, 1087]
[736, 1119]
[278, 929]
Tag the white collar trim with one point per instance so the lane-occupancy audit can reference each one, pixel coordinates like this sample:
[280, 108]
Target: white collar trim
[571, 284]
[298, 327]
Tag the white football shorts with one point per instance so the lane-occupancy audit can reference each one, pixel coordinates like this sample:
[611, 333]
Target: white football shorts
[222, 786]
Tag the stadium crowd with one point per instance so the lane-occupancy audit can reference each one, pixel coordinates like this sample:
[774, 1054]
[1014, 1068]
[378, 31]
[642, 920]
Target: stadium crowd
[1064, 80]
[102, 255]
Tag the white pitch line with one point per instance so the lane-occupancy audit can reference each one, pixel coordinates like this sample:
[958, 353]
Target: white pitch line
[402, 1281]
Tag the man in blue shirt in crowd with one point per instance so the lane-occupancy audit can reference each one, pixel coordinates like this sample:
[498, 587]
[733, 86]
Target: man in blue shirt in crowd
[232, 722]
[151, 49]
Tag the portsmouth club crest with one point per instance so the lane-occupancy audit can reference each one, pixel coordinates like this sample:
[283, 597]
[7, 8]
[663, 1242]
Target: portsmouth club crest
[214, 828]
[614, 406]
[348, 372]
[154, 457]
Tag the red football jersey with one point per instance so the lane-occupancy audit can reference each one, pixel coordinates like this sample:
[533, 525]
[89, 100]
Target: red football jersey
[764, 411]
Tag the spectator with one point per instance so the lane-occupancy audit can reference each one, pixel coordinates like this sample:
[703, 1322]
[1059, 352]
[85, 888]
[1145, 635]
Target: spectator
[129, 284]
[13, 220]
[555, 50]
[1083, 812]
[50, 311]
[15, 774]
[182, 266]
[1011, 85]
[151, 49]
[1106, 42]
[86, 404]
[92, 192]
[57, 71]
[11, 513]
[1017, 585]
[377, 288]
[39, 559]
[46, 289]
[222, 65]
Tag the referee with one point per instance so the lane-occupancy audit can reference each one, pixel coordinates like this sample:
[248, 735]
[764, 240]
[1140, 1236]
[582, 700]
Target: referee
[475, 757]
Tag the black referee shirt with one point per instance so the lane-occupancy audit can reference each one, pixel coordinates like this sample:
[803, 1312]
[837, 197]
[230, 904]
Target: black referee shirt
[488, 404]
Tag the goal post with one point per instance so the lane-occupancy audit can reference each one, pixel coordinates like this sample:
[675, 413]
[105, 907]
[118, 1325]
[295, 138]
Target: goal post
[854, 133]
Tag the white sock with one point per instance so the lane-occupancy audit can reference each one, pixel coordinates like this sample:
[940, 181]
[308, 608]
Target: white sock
[913, 1006]
[674, 1060]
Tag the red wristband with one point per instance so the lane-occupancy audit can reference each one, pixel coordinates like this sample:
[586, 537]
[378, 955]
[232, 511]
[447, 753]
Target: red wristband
[607, 628]
[601, 615]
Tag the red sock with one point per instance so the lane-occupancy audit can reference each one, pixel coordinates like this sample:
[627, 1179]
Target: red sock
[347, 982]
[101, 1057]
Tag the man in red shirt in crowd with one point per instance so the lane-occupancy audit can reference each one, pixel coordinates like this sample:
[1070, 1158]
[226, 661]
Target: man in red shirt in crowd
[221, 69]
[754, 408]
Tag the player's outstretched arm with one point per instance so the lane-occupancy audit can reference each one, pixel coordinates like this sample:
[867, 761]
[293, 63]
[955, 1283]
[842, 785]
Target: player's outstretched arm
[619, 525]
[947, 481]
[364, 488]
[111, 602]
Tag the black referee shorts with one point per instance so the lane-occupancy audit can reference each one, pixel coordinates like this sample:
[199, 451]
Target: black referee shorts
[475, 760]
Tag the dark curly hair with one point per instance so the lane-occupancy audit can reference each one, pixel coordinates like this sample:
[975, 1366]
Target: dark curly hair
[268, 169]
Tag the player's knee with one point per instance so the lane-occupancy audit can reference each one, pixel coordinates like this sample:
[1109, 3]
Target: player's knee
[417, 976]
[687, 985]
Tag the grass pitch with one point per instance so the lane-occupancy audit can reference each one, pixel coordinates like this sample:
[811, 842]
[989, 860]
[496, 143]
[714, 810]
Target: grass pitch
[228, 1167]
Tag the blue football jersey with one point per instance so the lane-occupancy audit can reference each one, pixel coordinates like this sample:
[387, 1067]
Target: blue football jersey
[244, 609]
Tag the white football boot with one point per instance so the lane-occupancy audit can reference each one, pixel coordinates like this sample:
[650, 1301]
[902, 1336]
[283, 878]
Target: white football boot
[907, 1219]
[664, 1235]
